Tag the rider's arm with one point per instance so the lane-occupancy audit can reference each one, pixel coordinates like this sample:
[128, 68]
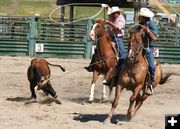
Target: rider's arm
[151, 34]
[151, 30]
[119, 24]
[114, 26]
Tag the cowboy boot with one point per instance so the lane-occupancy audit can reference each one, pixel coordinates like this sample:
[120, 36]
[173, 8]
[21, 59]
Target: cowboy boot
[149, 90]
[88, 68]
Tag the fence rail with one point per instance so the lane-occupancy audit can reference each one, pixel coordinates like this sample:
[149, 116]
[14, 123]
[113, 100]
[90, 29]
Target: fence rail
[27, 36]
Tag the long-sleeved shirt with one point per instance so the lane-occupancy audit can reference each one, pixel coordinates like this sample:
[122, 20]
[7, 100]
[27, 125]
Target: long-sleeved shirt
[120, 22]
[153, 28]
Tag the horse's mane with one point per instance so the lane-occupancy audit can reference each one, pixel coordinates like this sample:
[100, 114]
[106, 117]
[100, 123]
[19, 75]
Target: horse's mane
[102, 21]
[135, 28]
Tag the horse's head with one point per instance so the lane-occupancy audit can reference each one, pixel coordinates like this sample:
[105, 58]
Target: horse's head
[135, 41]
[97, 29]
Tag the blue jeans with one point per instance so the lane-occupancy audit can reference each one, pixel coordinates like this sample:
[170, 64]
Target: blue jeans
[150, 57]
[120, 46]
[122, 53]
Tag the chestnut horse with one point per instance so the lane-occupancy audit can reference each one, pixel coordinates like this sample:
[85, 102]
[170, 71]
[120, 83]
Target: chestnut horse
[105, 56]
[134, 74]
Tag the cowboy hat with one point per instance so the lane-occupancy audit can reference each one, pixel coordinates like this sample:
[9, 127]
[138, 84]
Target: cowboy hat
[113, 10]
[145, 12]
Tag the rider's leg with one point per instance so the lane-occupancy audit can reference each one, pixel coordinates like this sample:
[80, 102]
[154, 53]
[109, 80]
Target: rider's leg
[121, 49]
[93, 60]
[122, 55]
[150, 57]
[89, 68]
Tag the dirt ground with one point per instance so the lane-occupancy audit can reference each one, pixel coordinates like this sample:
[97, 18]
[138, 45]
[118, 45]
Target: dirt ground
[73, 88]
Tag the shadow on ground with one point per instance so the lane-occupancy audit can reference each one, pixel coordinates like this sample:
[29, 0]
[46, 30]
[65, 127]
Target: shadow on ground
[18, 99]
[85, 100]
[26, 100]
[98, 117]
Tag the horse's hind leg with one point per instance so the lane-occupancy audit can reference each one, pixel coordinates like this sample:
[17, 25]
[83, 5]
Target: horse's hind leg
[106, 77]
[95, 77]
[103, 93]
[115, 103]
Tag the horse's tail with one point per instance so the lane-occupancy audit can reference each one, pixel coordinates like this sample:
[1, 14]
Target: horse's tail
[62, 68]
[165, 78]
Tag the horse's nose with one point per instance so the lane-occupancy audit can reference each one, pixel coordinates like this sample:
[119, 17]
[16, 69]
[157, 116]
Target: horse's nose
[91, 35]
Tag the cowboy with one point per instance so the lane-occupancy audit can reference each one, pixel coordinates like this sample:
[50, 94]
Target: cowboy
[150, 30]
[117, 23]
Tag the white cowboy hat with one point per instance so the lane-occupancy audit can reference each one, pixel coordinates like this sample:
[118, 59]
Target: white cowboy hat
[113, 10]
[145, 12]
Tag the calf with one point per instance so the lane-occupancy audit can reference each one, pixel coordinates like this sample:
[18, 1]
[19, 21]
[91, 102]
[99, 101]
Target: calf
[38, 75]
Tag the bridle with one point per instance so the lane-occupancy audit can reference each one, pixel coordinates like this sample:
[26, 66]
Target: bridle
[136, 50]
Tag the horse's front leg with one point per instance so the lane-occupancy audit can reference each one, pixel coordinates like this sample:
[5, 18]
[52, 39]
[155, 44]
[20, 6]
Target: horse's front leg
[119, 90]
[140, 102]
[95, 77]
[136, 92]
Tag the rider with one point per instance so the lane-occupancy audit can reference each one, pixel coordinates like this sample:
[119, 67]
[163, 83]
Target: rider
[150, 30]
[117, 23]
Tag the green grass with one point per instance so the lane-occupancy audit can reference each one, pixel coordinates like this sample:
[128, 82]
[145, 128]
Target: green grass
[5, 2]
[30, 8]
[26, 7]
[44, 7]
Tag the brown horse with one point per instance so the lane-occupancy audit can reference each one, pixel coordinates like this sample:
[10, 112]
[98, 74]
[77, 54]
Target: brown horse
[134, 74]
[106, 57]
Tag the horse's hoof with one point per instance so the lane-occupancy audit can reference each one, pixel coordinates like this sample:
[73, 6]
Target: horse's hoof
[90, 101]
[107, 121]
[129, 116]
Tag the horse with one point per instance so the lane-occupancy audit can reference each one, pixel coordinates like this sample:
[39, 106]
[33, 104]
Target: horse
[105, 61]
[134, 74]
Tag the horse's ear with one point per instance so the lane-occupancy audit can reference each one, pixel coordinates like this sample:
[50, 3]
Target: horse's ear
[100, 20]
[129, 29]
[142, 31]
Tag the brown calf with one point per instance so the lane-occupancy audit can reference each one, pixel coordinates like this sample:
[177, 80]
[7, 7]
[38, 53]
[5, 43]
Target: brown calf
[38, 75]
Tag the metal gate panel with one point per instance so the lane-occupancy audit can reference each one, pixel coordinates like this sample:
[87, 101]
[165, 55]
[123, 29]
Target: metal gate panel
[13, 35]
[65, 41]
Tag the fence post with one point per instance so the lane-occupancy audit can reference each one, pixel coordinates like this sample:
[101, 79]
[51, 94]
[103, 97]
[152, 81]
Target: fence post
[88, 46]
[32, 36]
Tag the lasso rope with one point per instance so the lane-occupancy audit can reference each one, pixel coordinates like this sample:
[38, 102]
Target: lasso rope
[78, 69]
[82, 19]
